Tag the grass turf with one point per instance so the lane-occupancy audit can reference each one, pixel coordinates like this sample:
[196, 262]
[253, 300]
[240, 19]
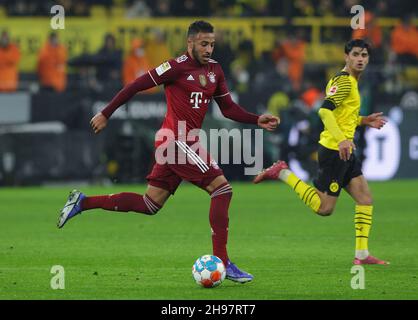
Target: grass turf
[292, 253]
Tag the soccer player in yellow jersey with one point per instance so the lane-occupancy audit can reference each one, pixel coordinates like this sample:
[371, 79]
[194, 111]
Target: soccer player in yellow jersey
[338, 166]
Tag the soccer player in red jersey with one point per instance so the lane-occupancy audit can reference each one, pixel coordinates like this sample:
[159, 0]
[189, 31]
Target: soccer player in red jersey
[190, 82]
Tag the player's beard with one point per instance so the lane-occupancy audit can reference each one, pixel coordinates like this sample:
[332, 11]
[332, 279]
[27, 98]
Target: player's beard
[196, 56]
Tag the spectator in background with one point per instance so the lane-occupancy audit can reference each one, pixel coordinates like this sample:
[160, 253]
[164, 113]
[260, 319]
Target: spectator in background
[271, 77]
[108, 62]
[138, 8]
[81, 8]
[312, 97]
[372, 33]
[223, 53]
[136, 64]
[344, 9]
[52, 68]
[276, 8]
[293, 50]
[102, 70]
[303, 8]
[325, 8]
[189, 8]
[404, 41]
[9, 60]
[381, 8]
[21, 7]
[253, 8]
[43, 7]
[157, 49]
[161, 8]
[224, 8]
[242, 68]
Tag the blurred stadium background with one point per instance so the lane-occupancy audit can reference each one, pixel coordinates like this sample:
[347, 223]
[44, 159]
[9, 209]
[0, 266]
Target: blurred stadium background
[277, 54]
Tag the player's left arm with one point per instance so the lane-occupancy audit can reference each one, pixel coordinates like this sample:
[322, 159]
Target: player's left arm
[374, 120]
[233, 111]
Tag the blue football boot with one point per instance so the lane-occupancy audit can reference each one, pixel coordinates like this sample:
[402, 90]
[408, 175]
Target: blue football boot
[235, 274]
[71, 208]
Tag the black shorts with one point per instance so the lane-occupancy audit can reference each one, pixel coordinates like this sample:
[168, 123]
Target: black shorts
[334, 173]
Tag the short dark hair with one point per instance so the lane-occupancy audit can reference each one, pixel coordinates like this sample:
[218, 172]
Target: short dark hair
[199, 26]
[357, 43]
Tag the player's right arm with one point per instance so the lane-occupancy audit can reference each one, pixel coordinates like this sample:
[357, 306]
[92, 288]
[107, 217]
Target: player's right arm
[336, 94]
[164, 73]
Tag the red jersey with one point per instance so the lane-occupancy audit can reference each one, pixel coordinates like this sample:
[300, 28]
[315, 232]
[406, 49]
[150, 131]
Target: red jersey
[189, 88]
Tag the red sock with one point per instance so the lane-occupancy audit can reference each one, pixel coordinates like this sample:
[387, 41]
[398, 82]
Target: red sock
[218, 217]
[124, 202]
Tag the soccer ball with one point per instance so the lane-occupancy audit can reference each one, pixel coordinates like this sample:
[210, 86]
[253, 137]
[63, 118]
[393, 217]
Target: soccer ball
[208, 271]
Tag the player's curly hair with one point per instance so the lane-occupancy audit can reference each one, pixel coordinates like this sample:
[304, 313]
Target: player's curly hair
[199, 26]
[357, 43]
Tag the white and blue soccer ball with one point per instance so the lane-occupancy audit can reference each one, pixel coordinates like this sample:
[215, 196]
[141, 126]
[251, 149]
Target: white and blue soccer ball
[208, 271]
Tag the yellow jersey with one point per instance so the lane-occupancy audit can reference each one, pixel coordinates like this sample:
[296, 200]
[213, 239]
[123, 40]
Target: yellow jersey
[343, 99]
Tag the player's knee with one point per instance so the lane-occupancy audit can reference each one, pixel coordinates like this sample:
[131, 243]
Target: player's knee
[152, 207]
[223, 189]
[325, 211]
[212, 185]
[366, 201]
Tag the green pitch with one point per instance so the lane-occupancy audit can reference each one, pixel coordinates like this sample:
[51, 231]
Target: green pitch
[292, 253]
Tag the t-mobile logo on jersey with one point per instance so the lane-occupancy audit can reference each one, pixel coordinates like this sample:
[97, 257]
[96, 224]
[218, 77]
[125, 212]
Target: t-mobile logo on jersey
[196, 98]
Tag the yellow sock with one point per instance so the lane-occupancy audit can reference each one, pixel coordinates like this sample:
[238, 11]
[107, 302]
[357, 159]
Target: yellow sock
[363, 223]
[305, 192]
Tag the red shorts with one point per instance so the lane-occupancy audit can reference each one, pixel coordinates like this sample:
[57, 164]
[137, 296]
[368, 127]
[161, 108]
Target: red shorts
[190, 162]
